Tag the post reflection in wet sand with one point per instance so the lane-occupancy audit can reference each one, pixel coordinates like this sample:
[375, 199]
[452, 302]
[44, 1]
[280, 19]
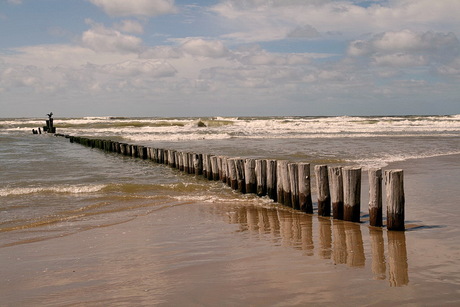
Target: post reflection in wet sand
[325, 237]
[342, 241]
[355, 248]
[378, 253]
[340, 246]
[397, 253]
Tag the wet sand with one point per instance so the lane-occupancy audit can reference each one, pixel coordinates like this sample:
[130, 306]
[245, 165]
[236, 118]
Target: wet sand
[211, 254]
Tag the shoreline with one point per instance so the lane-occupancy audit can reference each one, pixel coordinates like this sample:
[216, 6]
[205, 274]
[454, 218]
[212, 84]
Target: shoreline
[204, 254]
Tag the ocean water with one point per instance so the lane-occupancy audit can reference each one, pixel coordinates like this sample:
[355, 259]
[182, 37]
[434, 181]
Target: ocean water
[51, 188]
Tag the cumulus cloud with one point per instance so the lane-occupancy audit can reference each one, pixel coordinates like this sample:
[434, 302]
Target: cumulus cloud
[305, 31]
[148, 8]
[100, 38]
[152, 69]
[281, 19]
[407, 48]
[205, 48]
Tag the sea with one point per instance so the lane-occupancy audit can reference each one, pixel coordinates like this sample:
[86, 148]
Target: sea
[209, 245]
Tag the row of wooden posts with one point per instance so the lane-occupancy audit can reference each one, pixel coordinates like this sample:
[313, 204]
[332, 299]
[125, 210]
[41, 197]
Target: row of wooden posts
[339, 188]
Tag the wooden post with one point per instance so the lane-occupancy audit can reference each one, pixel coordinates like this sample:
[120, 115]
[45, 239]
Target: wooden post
[198, 164]
[283, 183]
[231, 163]
[271, 179]
[177, 159]
[375, 198]
[294, 184]
[395, 199]
[185, 162]
[224, 170]
[181, 161]
[215, 168]
[279, 183]
[322, 184]
[142, 152]
[239, 163]
[305, 202]
[336, 187]
[351, 194]
[165, 156]
[161, 154]
[171, 158]
[208, 166]
[134, 152]
[205, 165]
[250, 175]
[191, 164]
[219, 167]
[261, 177]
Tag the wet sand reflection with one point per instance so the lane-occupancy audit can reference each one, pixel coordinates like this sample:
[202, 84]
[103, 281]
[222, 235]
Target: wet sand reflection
[337, 240]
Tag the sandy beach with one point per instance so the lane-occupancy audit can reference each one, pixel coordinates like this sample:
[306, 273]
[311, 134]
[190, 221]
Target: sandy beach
[249, 254]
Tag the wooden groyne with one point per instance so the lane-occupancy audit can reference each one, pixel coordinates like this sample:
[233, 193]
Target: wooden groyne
[339, 188]
[48, 128]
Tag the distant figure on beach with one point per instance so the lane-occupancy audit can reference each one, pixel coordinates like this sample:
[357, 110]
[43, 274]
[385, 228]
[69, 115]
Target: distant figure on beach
[50, 115]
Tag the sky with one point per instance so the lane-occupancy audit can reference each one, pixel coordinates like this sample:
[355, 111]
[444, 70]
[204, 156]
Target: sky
[171, 58]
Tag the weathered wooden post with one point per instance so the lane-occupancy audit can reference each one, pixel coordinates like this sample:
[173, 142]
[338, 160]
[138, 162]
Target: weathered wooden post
[181, 161]
[271, 179]
[215, 168]
[261, 177]
[279, 183]
[134, 151]
[171, 158]
[239, 163]
[142, 152]
[394, 185]
[161, 154]
[219, 167]
[375, 198]
[351, 194]
[198, 164]
[322, 184]
[177, 159]
[284, 188]
[250, 176]
[190, 163]
[224, 177]
[294, 184]
[208, 164]
[166, 156]
[305, 202]
[336, 187]
[185, 162]
[231, 163]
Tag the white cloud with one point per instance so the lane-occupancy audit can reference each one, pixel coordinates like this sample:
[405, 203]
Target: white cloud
[148, 8]
[152, 69]
[130, 26]
[252, 21]
[407, 48]
[15, 2]
[205, 48]
[100, 38]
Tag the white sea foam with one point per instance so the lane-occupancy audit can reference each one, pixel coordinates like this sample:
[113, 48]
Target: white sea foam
[385, 160]
[74, 189]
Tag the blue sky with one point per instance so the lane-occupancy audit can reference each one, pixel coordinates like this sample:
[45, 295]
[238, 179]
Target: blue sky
[229, 57]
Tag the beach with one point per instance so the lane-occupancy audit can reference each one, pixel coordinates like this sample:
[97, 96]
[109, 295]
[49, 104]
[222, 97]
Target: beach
[120, 231]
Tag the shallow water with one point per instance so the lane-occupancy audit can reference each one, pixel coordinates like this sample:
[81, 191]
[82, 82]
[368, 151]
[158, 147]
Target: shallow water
[75, 220]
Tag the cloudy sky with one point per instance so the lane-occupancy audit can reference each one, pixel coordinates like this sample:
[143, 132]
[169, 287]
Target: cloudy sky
[229, 57]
